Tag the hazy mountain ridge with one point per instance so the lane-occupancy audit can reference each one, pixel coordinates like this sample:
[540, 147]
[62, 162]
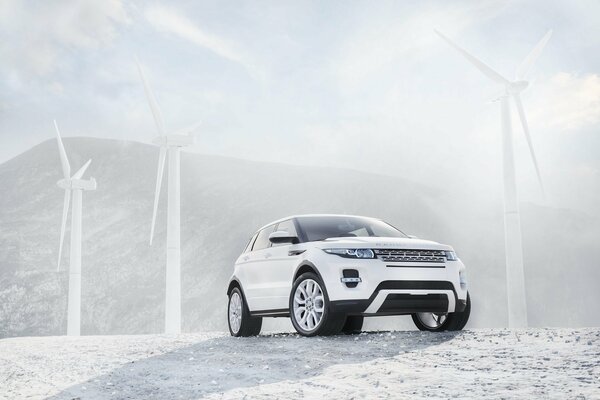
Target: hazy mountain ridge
[224, 201]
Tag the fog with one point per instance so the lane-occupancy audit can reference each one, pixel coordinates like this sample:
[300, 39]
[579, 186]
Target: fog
[224, 201]
[347, 86]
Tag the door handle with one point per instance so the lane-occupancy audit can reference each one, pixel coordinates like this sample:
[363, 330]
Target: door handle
[268, 255]
[246, 258]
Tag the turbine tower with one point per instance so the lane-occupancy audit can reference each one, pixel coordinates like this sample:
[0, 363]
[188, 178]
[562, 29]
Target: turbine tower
[515, 278]
[170, 144]
[73, 185]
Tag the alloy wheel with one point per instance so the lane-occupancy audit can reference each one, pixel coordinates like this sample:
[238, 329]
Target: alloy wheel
[432, 320]
[308, 305]
[235, 312]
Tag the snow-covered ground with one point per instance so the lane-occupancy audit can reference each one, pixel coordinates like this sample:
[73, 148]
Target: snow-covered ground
[534, 363]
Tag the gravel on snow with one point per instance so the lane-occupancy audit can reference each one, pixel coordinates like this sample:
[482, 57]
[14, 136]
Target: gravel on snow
[491, 363]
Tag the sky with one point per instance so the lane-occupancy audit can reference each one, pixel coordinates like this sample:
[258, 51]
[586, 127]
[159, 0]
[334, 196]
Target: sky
[351, 84]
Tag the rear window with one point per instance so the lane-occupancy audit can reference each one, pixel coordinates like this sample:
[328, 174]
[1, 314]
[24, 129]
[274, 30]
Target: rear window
[250, 243]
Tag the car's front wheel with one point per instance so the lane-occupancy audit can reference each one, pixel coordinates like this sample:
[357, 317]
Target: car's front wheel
[310, 308]
[436, 322]
[241, 323]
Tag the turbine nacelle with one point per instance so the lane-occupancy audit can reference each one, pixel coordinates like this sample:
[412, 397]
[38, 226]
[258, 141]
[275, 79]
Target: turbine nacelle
[516, 87]
[173, 140]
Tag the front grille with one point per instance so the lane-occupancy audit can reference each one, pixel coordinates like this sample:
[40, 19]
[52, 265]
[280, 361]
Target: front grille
[400, 255]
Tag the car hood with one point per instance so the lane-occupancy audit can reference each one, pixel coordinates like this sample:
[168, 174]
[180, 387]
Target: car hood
[381, 243]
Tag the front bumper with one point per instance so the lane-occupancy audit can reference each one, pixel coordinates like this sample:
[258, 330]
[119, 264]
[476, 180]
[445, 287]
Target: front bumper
[394, 288]
[404, 297]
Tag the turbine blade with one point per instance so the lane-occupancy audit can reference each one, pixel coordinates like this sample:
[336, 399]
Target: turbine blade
[532, 57]
[523, 119]
[82, 170]
[480, 65]
[188, 130]
[151, 101]
[159, 175]
[63, 225]
[64, 160]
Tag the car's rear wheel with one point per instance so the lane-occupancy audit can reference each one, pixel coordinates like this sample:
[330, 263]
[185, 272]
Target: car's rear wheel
[436, 322]
[310, 308]
[462, 317]
[432, 322]
[241, 323]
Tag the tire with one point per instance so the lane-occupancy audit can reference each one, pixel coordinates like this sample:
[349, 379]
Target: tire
[455, 321]
[462, 317]
[319, 315]
[239, 320]
[353, 324]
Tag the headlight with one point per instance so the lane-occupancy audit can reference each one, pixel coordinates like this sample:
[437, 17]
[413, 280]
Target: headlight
[351, 253]
[451, 256]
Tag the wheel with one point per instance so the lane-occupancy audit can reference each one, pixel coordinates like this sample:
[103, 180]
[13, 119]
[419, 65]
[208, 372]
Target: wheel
[462, 317]
[238, 316]
[309, 308]
[353, 324]
[435, 322]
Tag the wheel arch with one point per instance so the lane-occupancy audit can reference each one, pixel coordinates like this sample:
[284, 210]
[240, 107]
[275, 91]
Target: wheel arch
[234, 283]
[304, 267]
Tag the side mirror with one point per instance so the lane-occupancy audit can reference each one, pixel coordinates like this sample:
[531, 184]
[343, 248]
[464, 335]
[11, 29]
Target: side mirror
[279, 237]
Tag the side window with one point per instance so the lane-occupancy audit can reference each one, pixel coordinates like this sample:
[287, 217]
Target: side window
[288, 226]
[262, 240]
[250, 243]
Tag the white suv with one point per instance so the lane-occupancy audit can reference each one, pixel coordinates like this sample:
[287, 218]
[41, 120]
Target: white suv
[328, 272]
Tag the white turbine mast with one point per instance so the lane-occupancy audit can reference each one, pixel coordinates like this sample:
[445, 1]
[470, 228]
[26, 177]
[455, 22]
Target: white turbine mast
[73, 186]
[170, 144]
[517, 303]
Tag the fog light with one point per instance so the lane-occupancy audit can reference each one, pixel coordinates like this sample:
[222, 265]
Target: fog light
[351, 278]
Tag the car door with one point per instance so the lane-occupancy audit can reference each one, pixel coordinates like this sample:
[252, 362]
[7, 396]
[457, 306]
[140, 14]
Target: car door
[280, 268]
[255, 278]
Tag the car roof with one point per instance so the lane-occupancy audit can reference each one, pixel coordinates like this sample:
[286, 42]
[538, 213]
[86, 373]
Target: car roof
[311, 215]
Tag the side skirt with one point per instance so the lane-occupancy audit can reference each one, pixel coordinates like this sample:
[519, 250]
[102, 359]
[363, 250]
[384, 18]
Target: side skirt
[280, 312]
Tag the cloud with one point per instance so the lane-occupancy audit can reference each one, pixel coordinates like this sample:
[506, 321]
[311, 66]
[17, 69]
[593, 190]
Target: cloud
[169, 20]
[567, 102]
[37, 37]
[384, 41]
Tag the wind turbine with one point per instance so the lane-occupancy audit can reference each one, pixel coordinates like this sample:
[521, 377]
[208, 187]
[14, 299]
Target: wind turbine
[515, 285]
[170, 144]
[73, 185]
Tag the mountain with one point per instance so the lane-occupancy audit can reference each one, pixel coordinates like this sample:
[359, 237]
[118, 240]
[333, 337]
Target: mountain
[224, 201]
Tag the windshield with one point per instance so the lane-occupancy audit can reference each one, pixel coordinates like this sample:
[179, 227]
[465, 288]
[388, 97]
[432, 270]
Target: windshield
[320, 228]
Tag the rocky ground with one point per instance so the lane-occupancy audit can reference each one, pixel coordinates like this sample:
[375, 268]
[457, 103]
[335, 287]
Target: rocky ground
[534, 363]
